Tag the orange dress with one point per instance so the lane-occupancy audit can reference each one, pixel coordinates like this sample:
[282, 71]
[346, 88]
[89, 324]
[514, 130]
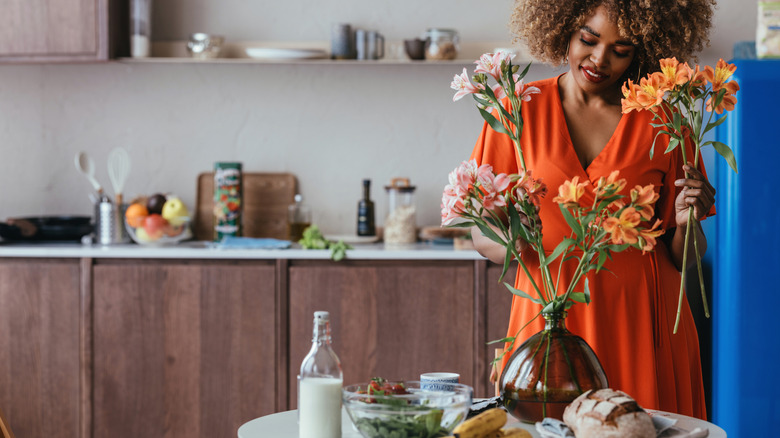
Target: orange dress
[630, 319]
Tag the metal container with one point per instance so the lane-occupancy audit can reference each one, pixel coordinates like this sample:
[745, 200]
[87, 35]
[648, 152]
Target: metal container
[228, 200]
[109, 222]
[400, 225]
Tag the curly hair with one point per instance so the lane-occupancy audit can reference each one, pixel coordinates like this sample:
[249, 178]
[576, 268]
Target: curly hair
[657, 28]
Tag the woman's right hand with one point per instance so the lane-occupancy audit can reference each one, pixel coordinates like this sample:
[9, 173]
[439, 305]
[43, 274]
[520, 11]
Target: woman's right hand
[494, 251]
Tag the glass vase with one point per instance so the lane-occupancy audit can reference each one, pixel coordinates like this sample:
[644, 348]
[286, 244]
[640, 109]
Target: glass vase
[548, 371]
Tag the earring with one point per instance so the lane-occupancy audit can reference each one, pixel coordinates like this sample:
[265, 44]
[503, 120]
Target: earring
[566, 56]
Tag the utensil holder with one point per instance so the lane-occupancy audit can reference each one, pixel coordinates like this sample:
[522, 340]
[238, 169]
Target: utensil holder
[109, 223]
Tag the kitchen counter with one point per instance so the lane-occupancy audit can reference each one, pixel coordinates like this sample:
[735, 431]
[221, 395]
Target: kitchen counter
[206, 250]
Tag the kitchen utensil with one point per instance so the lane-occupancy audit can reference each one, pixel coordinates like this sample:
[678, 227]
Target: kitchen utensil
[266, 197]
[369, 44]
[109, 222]
[46, 228]
[205, 46]
[118, 170]
[85, 165]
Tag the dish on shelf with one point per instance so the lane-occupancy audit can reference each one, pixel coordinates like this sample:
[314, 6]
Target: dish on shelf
[274, 53]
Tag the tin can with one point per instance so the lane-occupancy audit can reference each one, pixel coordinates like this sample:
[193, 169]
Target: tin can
[228, 204]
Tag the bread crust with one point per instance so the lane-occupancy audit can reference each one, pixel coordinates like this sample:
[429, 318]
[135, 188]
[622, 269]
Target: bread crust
[608, 413]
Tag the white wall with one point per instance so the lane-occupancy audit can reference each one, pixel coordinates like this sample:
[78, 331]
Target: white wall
[332, 125]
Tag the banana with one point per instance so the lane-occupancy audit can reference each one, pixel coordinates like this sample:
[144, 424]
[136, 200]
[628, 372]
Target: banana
[481, 425]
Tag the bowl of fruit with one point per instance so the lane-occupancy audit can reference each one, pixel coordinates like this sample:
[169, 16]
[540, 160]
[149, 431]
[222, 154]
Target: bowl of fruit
[158, 220]
[380, 408]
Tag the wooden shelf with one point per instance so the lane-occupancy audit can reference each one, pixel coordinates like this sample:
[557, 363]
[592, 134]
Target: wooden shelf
[174, 52]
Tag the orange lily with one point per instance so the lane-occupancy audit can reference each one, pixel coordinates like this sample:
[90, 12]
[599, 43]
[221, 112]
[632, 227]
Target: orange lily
[610, 183]
[720, 74]
[623, 228]
[644, 198]
[570, 192]
[648, 236]
[651, 90]
[630, 100]
[674, 73]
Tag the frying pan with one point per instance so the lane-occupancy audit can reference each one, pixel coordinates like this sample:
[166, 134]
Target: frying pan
[46, 229]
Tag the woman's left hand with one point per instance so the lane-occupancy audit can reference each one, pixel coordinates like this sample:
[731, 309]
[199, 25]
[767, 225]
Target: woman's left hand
[697, 192]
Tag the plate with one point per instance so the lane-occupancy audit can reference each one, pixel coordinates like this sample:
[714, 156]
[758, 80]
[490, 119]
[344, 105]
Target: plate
[278, 53]
[353, 239]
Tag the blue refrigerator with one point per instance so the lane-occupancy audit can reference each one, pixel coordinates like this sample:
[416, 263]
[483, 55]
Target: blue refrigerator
[746, 259]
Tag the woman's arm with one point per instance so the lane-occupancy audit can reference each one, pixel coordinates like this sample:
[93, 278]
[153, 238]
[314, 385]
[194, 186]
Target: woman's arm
[698, 193]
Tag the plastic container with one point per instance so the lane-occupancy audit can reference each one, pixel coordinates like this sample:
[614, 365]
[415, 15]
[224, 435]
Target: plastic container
[140, 28]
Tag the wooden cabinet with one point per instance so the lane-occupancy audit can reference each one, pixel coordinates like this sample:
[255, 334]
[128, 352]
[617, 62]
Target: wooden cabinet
[62, 30]
[498, 305]
[394, 319]
[41, 346]
[183, 348]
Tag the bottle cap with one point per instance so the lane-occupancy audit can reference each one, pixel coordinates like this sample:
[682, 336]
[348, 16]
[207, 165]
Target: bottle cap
[298, 198]
[322, 315]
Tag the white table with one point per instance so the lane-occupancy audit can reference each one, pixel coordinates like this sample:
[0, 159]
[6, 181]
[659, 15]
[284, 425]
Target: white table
[285, 425]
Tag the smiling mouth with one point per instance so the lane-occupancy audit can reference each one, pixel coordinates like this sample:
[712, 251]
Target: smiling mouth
[593, 75]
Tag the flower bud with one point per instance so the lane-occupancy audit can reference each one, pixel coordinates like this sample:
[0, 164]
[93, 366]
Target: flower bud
[515, 69]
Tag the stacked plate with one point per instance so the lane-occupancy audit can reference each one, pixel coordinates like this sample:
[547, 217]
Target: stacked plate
[272, 53]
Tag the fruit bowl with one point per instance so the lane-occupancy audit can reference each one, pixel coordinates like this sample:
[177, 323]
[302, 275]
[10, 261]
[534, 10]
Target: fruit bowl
[420, 412]
[158, 220]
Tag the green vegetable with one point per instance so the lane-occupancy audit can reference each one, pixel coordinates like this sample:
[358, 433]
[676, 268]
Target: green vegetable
[313, 239]
[426, 425]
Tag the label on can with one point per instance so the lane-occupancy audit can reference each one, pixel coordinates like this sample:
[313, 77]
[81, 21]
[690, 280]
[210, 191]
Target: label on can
[227, 200]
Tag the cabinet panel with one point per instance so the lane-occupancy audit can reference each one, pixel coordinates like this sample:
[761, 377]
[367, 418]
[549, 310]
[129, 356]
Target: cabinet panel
[388, 319]
[62, 30]
[40, 347]
[183, 350]
[499, 305]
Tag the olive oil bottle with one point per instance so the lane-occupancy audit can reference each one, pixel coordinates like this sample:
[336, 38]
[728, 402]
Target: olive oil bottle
[365, 212]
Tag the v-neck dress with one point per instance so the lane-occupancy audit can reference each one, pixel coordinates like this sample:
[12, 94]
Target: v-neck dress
[630, 320]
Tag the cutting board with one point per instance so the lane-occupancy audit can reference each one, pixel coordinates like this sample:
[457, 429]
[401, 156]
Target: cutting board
[266, 197]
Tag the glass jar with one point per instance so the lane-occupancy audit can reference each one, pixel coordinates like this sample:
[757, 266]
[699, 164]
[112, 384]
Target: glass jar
[441, 44]
[400, 225]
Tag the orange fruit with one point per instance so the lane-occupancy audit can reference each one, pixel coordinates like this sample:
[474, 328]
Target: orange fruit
[135, 215]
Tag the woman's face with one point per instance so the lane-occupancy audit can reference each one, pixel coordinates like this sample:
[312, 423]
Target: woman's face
[598, 56]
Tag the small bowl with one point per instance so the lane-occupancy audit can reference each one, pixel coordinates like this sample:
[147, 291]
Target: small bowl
[415, 49]
[424, 413]
[205, 46]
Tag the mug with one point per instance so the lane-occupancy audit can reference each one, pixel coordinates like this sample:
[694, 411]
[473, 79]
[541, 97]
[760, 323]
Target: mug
[341, 44]
[370, 44]
[439, 381]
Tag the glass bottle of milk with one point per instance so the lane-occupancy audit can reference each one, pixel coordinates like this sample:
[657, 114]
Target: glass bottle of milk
[319, 386]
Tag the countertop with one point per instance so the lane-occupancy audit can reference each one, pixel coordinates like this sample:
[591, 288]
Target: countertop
[205, 250]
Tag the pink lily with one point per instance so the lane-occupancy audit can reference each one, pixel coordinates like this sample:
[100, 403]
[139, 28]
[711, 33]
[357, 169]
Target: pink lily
[523, 92]
[463, 85]
[490, 63]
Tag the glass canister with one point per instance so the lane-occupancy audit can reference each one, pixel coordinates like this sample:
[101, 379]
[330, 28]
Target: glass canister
[400, 224]
[441, 44]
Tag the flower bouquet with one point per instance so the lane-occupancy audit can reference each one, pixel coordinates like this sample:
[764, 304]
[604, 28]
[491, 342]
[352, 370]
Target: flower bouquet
[505, 209]
[679, 96]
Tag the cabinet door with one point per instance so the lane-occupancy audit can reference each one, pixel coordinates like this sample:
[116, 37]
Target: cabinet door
[389, 319]
[54, 29]
[40, 347]
[499, 305]
[183, 349]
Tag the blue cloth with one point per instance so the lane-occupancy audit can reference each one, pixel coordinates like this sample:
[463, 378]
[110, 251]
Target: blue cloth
[233, 242]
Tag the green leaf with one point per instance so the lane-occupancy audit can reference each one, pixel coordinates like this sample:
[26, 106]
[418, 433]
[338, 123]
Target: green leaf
[525, 71]
[490, 234]
[468, 224]
[717, 122]
[652, 147]
[520, 293]
[579, 297]
[725, 151]
[573, 224]
[493, 122]
[673, 143]
[677, 121]
[602, 259]
[502, 340]
[565, 243]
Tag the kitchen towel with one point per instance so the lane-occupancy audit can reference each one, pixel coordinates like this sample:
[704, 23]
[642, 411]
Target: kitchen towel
[233, 242]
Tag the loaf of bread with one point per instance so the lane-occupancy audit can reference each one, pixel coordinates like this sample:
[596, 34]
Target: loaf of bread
[607, 413]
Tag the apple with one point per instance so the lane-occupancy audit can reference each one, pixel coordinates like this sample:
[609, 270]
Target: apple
[175, 212]
[155, 203]
[140, 235]
[155, 225]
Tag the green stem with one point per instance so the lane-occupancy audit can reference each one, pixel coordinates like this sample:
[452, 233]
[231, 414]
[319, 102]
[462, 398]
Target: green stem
[546, 363]
[571, 367]
[698, 256]
[684, 268]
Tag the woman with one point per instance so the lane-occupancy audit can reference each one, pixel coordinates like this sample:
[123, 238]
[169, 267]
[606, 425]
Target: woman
[575, 128]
